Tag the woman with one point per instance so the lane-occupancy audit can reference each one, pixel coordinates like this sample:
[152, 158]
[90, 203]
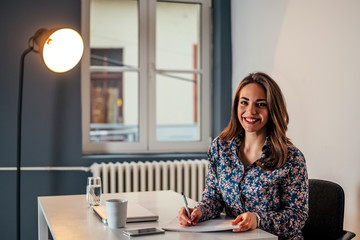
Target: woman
[255, 173]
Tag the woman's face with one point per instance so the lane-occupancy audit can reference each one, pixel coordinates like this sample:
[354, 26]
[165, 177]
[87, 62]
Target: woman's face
[253, 113]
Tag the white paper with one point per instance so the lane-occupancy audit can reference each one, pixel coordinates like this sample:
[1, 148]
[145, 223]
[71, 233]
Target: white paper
[212, 225]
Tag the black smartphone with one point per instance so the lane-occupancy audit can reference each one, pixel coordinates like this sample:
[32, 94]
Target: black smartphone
[142, 231]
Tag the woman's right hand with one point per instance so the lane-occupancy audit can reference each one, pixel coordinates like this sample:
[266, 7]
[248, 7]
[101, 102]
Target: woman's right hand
[195, 215]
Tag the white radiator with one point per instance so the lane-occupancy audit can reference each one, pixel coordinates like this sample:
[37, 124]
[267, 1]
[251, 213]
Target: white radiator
[186, 176]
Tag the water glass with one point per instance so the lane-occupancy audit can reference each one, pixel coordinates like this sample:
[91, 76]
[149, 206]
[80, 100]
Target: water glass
[93, 191]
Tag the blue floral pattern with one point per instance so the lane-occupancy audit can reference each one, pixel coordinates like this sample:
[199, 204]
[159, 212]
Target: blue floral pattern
[280, 197]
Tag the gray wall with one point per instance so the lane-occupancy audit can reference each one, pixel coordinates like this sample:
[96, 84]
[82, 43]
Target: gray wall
[52, 108]
[51, 113]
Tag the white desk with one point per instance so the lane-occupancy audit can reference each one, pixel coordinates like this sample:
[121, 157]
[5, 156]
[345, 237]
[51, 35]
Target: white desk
[68, 217]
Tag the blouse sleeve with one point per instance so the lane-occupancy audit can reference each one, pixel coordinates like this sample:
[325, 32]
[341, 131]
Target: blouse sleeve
[211, 203]
[288, 222]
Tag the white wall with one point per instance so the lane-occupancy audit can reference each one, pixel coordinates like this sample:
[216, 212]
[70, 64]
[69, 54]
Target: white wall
[312, 49]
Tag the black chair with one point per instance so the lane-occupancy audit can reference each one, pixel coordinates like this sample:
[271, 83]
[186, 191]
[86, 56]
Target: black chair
[326, 212]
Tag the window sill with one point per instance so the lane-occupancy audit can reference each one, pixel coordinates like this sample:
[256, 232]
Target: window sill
[143, 157]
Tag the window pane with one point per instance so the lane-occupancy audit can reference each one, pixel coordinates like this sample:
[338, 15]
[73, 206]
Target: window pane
[178, 107]
[177, 36]
[114, 104]
[114, 24]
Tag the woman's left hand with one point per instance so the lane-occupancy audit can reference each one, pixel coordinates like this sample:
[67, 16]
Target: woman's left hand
[246, 221]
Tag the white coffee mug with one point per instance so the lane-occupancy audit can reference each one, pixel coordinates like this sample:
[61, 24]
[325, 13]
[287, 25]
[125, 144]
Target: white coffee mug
[116, 212]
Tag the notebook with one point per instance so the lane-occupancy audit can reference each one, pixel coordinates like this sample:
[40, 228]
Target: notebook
[135, 213]
[213, 225]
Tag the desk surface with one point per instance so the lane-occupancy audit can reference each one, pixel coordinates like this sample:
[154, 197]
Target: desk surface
[69, 217]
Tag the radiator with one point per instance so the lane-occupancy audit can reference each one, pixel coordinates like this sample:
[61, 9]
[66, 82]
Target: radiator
[186, 176]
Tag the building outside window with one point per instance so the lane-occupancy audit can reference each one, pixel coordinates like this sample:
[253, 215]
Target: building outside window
[146, 76]
[106, 95]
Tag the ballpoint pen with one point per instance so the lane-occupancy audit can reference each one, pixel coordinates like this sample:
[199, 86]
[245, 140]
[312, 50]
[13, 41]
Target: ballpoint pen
[186, 205]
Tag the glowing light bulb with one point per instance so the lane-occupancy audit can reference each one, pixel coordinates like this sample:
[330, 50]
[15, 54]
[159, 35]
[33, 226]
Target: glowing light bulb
[63, 50]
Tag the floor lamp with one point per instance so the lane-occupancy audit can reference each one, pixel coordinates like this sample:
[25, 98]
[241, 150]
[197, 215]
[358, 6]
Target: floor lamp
[60, 49]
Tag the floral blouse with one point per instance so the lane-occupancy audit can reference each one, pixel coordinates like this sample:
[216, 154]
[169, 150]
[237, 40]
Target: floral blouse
[279, 197]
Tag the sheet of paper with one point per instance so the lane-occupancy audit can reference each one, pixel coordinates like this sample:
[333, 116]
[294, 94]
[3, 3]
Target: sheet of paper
[207, 226]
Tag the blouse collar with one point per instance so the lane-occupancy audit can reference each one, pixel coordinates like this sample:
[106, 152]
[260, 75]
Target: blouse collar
[266, 148]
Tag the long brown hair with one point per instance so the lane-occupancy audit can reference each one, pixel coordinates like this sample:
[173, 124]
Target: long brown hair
[276, 125]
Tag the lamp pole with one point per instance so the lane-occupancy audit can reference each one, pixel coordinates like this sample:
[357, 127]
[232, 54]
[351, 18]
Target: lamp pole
[18, 150]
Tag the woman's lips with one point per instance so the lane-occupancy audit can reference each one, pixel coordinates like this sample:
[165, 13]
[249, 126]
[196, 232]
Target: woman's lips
[250, 120]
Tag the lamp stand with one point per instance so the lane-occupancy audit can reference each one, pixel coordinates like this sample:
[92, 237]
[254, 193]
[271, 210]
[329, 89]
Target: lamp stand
[18, 163]
[40, 38]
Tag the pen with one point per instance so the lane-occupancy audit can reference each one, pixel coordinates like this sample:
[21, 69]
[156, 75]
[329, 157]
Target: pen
[186, 205]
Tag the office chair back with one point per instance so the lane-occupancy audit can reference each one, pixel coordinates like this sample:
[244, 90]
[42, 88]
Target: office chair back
[326, 211]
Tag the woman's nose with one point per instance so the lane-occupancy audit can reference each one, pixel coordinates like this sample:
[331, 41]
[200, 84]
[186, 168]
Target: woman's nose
[252, 108]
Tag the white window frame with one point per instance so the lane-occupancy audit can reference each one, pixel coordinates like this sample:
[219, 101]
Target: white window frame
[147, 123]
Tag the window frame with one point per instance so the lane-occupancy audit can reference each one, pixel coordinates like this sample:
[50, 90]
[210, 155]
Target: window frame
[147, 73]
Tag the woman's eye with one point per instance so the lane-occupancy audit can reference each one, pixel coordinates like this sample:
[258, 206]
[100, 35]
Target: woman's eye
[243, 102]
[261, 104]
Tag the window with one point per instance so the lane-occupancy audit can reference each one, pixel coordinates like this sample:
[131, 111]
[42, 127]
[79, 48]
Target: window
[145, 76]
[106, 97]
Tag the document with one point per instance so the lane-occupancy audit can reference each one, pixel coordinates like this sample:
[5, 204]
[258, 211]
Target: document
[213, 225]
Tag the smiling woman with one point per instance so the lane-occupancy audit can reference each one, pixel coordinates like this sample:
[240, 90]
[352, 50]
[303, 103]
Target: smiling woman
[252, 110]
[264, 90]
[255, 173]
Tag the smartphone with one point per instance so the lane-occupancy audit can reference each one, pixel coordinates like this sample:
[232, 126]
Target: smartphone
[142, 231]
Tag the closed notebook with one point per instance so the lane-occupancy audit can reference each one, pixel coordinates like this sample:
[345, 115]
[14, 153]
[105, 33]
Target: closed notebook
[135, 213]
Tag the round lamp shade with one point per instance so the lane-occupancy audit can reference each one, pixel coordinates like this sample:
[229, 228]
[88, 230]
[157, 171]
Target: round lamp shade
[62, 50]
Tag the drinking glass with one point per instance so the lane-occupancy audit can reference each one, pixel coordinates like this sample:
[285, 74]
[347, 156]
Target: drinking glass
[93, 191]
